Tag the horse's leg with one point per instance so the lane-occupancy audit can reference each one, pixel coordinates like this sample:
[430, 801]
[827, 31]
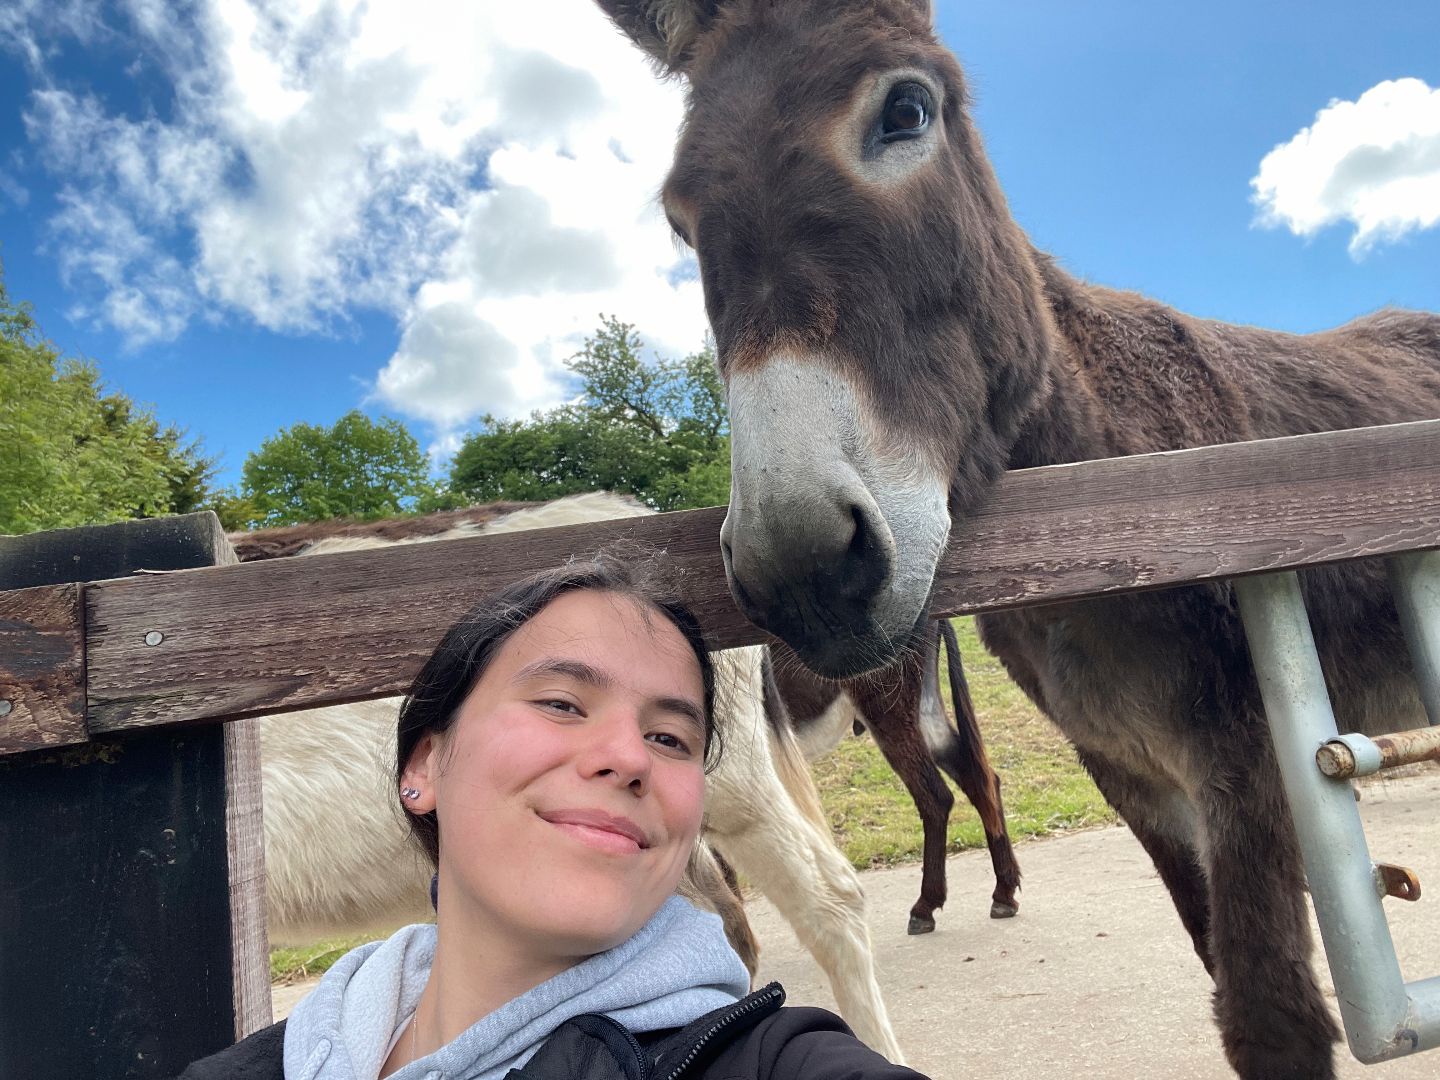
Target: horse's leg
[890, 704]
[960, 751]
[710, 881]
[819, 894]
[763, 815]
[1273, 1019]
[1165, 821]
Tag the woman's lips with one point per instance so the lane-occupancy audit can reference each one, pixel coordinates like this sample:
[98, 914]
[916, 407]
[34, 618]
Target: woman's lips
[608, 832]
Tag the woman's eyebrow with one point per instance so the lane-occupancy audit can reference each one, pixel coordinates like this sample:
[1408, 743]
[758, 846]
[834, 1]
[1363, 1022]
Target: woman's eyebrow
[569, 669]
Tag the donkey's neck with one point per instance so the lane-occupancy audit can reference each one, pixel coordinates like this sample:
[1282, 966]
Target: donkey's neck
[1126, 374]
[1067, 423]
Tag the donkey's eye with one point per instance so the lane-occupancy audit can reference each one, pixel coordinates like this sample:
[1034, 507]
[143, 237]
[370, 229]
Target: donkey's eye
[906, 113]
[680, 233]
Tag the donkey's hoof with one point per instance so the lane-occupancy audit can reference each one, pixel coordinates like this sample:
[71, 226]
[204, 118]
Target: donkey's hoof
[999, 909]
[920, 924]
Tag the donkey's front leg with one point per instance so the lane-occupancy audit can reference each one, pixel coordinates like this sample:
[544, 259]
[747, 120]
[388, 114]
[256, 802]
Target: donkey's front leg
[1163, 819]
[1273, 1020]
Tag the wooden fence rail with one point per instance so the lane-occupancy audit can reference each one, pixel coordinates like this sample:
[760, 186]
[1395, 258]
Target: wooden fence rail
[229, 642]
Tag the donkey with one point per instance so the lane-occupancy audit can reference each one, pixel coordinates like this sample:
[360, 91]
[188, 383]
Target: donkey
[891, 342]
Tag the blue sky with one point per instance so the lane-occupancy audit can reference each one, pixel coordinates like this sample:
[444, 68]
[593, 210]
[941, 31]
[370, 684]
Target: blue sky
[253, 214]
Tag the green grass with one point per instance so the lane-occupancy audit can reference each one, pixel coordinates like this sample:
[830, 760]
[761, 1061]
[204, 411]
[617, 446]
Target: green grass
[289, 965]
[875, 822]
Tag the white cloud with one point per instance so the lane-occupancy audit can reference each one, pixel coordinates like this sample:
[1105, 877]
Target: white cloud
[29, 27]
[12, 190]
[452, 364]
[1373, 162]
[484, 172]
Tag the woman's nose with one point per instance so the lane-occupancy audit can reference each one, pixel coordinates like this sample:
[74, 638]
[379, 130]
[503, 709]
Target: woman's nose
[618, 750]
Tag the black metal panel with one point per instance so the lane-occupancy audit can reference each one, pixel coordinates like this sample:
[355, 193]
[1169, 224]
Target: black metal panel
[115, 951]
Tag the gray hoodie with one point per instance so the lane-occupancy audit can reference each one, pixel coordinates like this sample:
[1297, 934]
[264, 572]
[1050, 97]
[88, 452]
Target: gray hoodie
[677, 967]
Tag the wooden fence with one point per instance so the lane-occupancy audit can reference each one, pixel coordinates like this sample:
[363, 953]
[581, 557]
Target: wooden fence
[107, 666]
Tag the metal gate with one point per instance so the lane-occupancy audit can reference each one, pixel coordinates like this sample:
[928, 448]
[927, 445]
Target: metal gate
[1384, 1016]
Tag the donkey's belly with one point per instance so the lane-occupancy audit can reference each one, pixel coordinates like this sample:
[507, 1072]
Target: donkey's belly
[1117, 676]
[1362, 648]
[1152, 681]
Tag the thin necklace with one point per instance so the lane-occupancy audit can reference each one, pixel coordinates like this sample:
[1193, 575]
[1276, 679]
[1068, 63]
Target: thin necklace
[414, 1029]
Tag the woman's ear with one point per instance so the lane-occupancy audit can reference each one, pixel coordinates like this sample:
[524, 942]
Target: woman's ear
[418, 779]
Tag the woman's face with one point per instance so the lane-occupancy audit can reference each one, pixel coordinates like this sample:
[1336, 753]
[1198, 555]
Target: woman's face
[569, 791]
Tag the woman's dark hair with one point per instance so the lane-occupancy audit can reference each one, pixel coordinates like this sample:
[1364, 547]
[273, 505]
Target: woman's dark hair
[467, 648]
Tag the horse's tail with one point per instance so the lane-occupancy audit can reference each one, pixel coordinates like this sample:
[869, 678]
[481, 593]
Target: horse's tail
[972, 757]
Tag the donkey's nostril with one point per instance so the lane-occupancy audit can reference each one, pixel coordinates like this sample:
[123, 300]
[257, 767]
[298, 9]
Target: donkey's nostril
[865, 560]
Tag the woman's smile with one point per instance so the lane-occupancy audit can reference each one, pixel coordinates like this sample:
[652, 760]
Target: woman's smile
[607, 832]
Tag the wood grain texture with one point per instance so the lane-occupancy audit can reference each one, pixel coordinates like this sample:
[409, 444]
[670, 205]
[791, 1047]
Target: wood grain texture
[285, 634]
[42, 668]
[271, 636]
[1124, 524]
[245, 858]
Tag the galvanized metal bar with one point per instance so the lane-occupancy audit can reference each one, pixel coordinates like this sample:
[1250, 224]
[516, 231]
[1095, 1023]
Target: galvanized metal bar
[1382, 1018]
[1415, 583]
[1356, 755]
[1424, 1017]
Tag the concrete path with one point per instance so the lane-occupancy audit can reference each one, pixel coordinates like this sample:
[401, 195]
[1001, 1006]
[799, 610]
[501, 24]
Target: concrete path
[1094, 979]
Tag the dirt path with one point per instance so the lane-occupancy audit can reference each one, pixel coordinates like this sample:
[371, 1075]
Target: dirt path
[1095, 978]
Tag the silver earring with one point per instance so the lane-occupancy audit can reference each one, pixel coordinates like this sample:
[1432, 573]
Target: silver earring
[410, 793]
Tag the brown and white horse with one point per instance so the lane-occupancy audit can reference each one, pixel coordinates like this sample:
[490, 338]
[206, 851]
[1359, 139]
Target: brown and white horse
[902, 708]
[891, 342]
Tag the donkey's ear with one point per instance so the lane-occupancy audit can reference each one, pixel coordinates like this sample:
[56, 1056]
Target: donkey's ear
[665, 29]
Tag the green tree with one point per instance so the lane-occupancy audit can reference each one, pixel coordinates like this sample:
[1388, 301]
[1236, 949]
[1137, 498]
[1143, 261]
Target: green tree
[355, 468]
[657, 431]
[72, 454]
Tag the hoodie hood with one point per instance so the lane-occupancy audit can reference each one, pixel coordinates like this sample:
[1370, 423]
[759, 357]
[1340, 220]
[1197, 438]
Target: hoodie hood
[676, 968]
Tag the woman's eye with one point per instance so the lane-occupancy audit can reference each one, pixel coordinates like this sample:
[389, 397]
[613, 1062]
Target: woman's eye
[671, 742]
[560, 705]
[907, 112]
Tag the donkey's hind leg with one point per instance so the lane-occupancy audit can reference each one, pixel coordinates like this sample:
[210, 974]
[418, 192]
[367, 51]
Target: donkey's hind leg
[1273, 1020]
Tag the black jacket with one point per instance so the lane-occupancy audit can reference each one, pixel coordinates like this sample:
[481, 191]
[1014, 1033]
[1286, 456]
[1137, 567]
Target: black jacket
[753, 1039]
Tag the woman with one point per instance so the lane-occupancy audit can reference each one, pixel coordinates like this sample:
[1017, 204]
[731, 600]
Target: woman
[551, 761]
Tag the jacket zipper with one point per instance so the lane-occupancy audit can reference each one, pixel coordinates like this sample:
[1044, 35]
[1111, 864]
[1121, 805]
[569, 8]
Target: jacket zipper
[641, 1058]
[639, 1052]
[766, 996]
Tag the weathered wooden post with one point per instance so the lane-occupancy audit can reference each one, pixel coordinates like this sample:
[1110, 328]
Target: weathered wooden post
[132, 933]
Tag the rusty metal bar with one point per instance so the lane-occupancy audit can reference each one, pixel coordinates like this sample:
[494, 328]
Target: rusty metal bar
[1384, 1017]
[1356, 755]
[1415, 584]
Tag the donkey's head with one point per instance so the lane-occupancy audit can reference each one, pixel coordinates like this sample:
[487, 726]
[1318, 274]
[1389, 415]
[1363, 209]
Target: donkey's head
[876, 312]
